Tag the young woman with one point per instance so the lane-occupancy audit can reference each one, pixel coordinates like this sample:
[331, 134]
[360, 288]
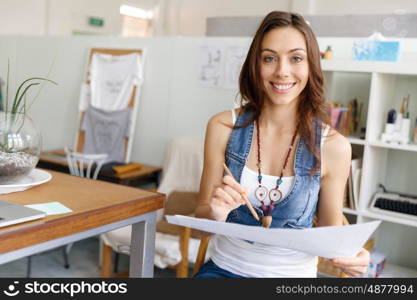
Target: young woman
[281, 153]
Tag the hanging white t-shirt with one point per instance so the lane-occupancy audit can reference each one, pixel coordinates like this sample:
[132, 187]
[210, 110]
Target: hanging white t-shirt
[112, 78]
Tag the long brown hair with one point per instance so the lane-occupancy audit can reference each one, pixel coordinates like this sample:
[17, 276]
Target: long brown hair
[311, 106]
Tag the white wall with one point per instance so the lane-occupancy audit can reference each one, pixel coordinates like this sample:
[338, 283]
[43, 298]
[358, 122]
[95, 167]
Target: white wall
[346, 7]
[188, 17]
[193, 13]
[22, 17]
[172, 103]
[63, 17]
[172, 17]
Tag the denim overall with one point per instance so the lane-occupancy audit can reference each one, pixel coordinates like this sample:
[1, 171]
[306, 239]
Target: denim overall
[295, 210]
[298, 207]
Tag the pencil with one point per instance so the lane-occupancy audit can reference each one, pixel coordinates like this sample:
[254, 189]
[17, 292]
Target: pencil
[255, 215]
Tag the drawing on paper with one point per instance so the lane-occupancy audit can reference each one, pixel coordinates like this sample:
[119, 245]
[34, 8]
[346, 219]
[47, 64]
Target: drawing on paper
[211, 61]
[235, 57]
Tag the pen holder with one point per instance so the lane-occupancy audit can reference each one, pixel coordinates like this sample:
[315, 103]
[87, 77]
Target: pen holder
[415, 133]
[389, 128]
[405, 128]
[400, 136]
[388, 135]
[398, 122]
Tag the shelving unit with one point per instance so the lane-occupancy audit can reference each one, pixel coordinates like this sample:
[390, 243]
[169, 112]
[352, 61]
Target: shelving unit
[350, 211]
[408, 147]
[356, 141]
[381, 86]
[380, 216]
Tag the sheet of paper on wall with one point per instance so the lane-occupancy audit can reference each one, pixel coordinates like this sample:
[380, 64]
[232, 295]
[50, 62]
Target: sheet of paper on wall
[211, 67]
[328, 242]
[235, 57]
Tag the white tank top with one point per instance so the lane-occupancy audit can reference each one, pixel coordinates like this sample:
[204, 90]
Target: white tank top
[260, 260]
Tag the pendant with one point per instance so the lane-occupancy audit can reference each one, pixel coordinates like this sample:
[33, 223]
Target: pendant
[261, 192]
[266, 221]
[275, 195]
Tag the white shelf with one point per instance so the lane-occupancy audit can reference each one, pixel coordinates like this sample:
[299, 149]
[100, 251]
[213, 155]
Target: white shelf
[409, 221]
[396, 271]
[350, 211]
[356, 141]
[369, 67]
[408, 147]
[389, 218]
[380, 85]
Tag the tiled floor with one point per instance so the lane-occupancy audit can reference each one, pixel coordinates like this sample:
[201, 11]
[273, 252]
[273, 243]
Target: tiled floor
[83, 263]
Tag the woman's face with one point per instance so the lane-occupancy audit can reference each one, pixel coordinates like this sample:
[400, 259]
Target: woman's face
[284, 64]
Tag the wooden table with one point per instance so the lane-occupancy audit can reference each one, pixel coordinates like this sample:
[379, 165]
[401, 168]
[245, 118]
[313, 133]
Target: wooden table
[97, 206]
[56, 160]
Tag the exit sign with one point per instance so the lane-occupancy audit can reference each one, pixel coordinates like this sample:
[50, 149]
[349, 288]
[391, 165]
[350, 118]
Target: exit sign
[96, 22]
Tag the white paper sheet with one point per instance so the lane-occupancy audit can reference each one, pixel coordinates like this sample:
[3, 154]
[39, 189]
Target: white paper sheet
[328, 242]
[51, 208]
[211, 67]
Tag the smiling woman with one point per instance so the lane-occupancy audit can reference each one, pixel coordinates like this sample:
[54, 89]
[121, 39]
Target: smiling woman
[281, 156]
[284, 67]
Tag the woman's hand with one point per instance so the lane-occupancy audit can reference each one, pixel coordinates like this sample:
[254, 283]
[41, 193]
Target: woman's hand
[353, 266]
[226, 198]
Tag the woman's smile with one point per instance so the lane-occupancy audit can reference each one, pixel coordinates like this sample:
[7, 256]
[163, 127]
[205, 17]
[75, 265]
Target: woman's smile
[282, 88]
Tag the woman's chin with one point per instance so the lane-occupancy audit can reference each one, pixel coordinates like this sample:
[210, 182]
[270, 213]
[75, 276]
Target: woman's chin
[281, 101]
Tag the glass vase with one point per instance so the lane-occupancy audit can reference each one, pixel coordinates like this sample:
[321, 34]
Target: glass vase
[20, 146]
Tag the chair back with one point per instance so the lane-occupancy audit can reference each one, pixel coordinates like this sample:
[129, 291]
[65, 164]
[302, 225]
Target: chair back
[81, 164]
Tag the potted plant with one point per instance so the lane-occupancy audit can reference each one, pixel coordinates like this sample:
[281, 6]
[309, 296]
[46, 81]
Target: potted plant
[20, 140]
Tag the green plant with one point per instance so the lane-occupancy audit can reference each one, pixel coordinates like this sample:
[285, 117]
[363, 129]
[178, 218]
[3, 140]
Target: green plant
[19, 101]
[14, 114]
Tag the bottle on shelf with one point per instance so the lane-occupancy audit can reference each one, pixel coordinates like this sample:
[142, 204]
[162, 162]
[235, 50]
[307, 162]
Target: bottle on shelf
[415, 132]
[328, 54]
[397, 128]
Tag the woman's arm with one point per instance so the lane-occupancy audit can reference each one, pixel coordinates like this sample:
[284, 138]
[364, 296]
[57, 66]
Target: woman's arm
[218, 194]
[336, 158]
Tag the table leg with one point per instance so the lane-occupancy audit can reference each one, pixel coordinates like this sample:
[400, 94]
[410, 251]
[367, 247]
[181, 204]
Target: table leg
[142, 247]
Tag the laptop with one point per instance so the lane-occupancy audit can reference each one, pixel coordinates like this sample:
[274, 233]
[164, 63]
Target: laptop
[11, 213]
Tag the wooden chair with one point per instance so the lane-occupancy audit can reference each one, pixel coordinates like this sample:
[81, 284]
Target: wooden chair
[201, 255]
[81, 164]
[322, 266]
[180, 203]
[177, 203]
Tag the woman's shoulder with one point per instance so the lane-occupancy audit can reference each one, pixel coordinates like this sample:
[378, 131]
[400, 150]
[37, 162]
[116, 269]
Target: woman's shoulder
[224, 116]
[224, 120]
[336, 145]
[219, 128]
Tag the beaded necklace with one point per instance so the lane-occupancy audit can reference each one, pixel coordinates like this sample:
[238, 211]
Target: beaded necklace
[261, 191]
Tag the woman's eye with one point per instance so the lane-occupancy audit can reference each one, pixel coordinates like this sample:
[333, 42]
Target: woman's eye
[297, 59]
[268, 59]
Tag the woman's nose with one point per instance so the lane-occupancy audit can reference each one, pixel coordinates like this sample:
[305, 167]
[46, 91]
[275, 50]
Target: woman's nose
[282, 70]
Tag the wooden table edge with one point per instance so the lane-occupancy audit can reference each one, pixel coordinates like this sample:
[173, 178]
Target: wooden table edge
[37, 233]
